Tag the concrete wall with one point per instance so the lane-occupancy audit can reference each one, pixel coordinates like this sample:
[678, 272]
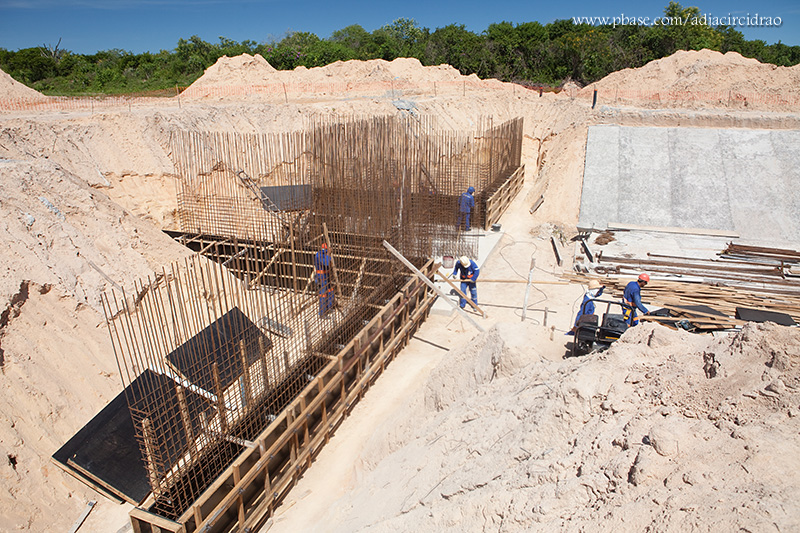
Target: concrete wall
[744, 181]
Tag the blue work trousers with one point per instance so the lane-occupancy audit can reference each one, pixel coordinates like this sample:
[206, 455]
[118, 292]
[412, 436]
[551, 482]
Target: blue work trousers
[326, 298]
[463, 217]
[473, 293]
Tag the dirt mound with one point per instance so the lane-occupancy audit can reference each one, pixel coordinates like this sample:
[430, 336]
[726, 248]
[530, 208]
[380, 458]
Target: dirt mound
[247, 70]
[11, 88]
[709, 75]
[239, 70]
[666, 431]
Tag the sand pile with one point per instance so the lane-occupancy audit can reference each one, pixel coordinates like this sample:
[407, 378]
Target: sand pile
[11, 88]
[706, 71]
[240, 70]
[247, 70]
[666, 431]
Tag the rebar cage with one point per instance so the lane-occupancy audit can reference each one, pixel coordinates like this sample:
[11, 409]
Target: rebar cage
[213, 348]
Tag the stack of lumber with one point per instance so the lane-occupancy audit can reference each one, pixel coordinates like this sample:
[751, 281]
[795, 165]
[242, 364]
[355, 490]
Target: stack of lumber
[677, 295]
[743, 276]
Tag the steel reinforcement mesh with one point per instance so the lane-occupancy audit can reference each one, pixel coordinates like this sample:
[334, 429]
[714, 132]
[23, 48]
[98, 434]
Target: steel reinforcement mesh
[212, 350]
[289, 230]
[381, 176]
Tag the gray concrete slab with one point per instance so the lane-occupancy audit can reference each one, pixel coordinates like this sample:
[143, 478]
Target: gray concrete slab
[737, 180]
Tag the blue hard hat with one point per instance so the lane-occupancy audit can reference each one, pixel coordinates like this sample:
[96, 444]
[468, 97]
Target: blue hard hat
[471, 190]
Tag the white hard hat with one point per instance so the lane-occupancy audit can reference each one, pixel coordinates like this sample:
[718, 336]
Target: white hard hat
[464, 260]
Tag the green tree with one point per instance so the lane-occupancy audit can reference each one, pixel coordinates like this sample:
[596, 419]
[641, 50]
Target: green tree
[356, 39]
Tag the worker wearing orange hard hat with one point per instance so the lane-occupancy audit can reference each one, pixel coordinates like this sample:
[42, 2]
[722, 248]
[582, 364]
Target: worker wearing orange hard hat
[322, 264]
[632, 297]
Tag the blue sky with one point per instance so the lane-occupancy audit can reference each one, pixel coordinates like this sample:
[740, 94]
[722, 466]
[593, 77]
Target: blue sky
[88, 26]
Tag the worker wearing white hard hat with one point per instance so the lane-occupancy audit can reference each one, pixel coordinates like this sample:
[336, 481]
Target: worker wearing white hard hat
[587, 305]
[467, 271]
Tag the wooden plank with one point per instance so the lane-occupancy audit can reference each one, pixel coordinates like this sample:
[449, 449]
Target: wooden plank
[461, 294]
[164, 524]
[559, 261]
[498, 202]
[90, 480]
[277, 254]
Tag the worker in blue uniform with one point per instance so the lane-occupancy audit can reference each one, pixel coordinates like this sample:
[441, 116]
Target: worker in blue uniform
[587, 305]
[632, 296]
[466, 203]
[322, 265]
[467, 271]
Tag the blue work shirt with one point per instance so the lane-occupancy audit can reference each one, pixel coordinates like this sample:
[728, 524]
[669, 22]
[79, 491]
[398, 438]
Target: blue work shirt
[321, 262]
[469, 273]
[466, 203]
[633, 296]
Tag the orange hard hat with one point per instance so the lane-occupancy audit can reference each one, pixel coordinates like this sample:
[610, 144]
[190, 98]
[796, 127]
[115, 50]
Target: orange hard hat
[644, 277]
[324, 245]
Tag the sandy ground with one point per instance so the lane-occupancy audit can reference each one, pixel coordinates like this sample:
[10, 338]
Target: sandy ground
[497, 433]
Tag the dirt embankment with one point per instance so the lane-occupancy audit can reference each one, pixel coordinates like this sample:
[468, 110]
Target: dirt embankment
[666, 431]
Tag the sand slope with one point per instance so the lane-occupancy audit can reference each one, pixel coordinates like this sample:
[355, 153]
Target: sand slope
[641, 437]
[11, 88]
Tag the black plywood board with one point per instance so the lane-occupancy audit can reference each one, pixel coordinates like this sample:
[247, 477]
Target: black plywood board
[107, 451]
[757, 315]
[289, 197]
[701, 309]
[219, 343]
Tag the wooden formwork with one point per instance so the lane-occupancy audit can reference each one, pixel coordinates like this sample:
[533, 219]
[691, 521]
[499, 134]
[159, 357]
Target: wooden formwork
[246, 494]
[498, 202]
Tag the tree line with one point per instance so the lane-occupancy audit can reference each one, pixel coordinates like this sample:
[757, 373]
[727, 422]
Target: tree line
[529, 53]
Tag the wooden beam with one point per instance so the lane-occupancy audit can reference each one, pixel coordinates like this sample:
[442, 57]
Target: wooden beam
[555, 250]
[274, 258]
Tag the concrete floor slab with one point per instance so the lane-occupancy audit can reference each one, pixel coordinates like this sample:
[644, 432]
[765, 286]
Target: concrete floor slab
[743, 181]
